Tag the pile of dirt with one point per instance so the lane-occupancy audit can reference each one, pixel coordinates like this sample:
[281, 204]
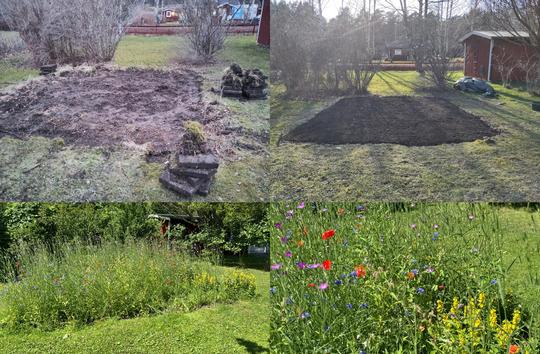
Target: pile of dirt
[250, 83]
[104, 107]
[405, 120]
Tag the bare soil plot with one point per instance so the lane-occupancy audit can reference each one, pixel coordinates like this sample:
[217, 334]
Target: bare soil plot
[404, 120]
[105, 107]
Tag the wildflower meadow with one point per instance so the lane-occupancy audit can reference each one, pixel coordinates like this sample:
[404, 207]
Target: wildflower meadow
[399, 278]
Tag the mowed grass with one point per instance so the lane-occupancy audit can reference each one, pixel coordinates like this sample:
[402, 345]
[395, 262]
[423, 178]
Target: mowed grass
[504, 170]
[41, 169]
[242, 327]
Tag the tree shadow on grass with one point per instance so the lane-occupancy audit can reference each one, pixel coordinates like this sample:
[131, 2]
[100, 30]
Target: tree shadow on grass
[252, 347]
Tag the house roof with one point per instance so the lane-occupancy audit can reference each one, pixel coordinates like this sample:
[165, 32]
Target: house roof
[400, 44]
[495, 34]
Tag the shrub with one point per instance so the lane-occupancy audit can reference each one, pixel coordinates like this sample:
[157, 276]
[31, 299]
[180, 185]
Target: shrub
[81, 284]
[207, 35]
[425, 278]
[69, 31]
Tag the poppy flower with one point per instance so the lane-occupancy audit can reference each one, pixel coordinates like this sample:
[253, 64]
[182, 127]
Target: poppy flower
[513, 349]
[328, 234]
[311, 285]
[327, 265]
[360, 271]
[441, 287]
[300, 243]
[410, 275]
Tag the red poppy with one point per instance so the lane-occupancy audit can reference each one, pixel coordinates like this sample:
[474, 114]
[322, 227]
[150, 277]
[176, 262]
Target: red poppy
[513, 349]
[328, 234]
[360, 271]
[311, 285]
[327, 265]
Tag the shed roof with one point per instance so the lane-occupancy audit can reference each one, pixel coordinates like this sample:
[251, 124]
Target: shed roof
[495, 34]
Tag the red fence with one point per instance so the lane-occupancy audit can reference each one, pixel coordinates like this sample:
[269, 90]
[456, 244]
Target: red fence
[173, 30]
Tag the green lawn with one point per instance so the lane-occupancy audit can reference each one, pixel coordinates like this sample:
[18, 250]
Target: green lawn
[503, 171]
[42, 169]
[241, 327]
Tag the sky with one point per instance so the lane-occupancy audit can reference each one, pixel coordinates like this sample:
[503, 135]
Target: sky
[331, 7]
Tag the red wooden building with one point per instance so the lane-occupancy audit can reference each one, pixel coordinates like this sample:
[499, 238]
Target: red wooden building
[263, 36]
[490, 53]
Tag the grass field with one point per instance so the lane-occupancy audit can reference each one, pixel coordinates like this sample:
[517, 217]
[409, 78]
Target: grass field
[42, 169]
[240, 327]
[501, 171]
[385, 279]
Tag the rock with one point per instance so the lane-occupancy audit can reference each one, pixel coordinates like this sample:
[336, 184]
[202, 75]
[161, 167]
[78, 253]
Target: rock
[535, 106]
[193, 172]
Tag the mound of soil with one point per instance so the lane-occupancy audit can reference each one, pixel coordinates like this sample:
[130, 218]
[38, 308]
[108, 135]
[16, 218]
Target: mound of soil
[105, 107]
[410, 121]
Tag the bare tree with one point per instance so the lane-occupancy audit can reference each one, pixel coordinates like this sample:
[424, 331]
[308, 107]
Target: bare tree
[516, 15]
[207, 35]
[505, 64]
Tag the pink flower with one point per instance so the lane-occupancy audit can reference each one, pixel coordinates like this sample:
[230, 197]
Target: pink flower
[288, 254]
[301, 205]
[323, 286]
[275, 266]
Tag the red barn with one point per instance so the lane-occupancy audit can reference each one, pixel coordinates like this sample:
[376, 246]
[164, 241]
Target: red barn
[491, 54]
[263, 36]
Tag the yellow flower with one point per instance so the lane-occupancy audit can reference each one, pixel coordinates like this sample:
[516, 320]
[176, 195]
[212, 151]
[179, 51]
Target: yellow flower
[481, 300]
[493, 318]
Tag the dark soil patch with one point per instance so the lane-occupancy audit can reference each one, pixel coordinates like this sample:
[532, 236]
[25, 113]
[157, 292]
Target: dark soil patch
[105, 107]
[410, 121]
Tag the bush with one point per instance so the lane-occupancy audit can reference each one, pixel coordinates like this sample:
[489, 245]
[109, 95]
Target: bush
[427, 279]
[81, 284]
[69, 31]
[207, 35]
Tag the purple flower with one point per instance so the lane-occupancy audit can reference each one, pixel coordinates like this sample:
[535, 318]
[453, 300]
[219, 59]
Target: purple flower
[430, 270]
[413, 226]
[300, 265]
[275, 266]
[278, 225]
[289, 214]
[420, 291]
[288, 254]
[301, 205]
[284, 239]
[313, 266]
[414, 271]
[323, 286]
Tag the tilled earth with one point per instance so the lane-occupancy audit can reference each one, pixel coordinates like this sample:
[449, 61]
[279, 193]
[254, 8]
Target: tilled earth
[105, 107]
[405, 120]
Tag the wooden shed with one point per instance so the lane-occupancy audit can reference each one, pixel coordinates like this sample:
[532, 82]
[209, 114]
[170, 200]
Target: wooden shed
[490, 54]
[399, 50]
[263, 36]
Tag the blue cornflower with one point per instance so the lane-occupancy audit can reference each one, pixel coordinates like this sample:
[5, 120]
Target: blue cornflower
[305, 314]
[493, 281]
[273, 290]
[420, 291]
[350, 306]
[364, 305]
[338, 282]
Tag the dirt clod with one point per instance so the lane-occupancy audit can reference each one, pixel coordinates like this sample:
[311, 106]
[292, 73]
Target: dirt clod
[410, 121]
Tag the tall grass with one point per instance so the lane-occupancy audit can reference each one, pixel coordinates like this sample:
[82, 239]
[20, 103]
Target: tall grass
[81, 284]
[393, 278]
